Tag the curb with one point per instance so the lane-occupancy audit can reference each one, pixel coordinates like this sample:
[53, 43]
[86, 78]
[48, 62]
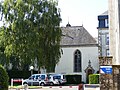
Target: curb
[61, 87]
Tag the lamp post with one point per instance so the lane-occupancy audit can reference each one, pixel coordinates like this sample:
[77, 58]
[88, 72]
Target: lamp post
[31, 69]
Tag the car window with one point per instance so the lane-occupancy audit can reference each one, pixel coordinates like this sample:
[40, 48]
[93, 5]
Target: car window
[42, 77]
[37, 76]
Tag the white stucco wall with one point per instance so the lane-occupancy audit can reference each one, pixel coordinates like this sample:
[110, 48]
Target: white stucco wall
[66, 62]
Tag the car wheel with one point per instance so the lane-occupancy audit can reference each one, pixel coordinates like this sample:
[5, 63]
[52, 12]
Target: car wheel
[51, 84]
[42, 84]
[25, 83]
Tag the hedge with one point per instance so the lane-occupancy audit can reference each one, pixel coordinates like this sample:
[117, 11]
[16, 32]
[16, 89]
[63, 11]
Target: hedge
[94, 78]
[18, 74]
[73, 79]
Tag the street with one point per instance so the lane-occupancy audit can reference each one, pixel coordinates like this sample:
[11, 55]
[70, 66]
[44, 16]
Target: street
[53, 88]
[66, 88]
[59, 88]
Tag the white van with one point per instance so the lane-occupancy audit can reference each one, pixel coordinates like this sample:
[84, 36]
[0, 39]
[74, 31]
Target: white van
[36, 79]
[52, 80]
[57, 79]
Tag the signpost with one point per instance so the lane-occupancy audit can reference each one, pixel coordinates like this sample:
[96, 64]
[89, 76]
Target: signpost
[106, 72]
[105, 69]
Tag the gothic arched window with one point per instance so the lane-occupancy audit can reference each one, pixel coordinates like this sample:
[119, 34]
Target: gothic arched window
[77, 61]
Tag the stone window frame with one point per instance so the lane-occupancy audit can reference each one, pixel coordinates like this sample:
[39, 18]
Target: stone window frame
[77, 61]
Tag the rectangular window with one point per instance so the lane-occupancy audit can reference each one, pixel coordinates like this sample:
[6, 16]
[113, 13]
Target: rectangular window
[106, 23]
[107, 52]
[107, 39]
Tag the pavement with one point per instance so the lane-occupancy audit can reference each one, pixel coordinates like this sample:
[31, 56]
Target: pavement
[86, 87]
[51, 88]
[91, 87]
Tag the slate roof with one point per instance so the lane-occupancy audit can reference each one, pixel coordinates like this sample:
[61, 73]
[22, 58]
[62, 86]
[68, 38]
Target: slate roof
[105, 13]
[76, 35]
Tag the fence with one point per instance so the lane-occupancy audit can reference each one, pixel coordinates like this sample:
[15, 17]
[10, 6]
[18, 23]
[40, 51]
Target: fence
[16, 81]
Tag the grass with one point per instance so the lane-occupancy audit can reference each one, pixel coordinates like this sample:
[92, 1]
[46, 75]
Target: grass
[22, 87]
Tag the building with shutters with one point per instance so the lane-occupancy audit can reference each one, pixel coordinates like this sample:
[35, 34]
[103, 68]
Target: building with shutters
[103, 34]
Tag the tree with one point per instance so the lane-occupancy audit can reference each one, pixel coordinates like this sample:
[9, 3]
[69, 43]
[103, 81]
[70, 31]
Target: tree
[4, 79]
[32, 31]
[3, 60]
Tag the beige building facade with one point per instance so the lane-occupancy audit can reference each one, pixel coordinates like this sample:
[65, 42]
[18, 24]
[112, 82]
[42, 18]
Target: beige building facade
[114, 28]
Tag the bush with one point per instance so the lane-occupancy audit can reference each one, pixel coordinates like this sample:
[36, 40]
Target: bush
[94, 79]
[3, 79]
[73, 79]
[18, 74]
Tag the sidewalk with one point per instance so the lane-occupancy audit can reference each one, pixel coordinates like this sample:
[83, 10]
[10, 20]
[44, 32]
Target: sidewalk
[91, 87]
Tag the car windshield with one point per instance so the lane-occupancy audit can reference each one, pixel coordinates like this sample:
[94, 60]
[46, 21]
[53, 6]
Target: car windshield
[32, 77]
[57, 77]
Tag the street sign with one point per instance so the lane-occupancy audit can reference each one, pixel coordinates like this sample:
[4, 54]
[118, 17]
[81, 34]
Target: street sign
[105, 69]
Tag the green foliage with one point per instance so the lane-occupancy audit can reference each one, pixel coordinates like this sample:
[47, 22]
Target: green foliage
[73, 79]
[3, 59]
[3, 79]
[18, 74]
[94, 79]
[31, 31]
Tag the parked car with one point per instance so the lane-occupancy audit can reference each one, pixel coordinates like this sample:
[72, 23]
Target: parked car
[52, 80]
[57, 79]
[36, 79]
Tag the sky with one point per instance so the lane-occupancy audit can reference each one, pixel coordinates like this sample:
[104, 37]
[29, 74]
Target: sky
[82, 12]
